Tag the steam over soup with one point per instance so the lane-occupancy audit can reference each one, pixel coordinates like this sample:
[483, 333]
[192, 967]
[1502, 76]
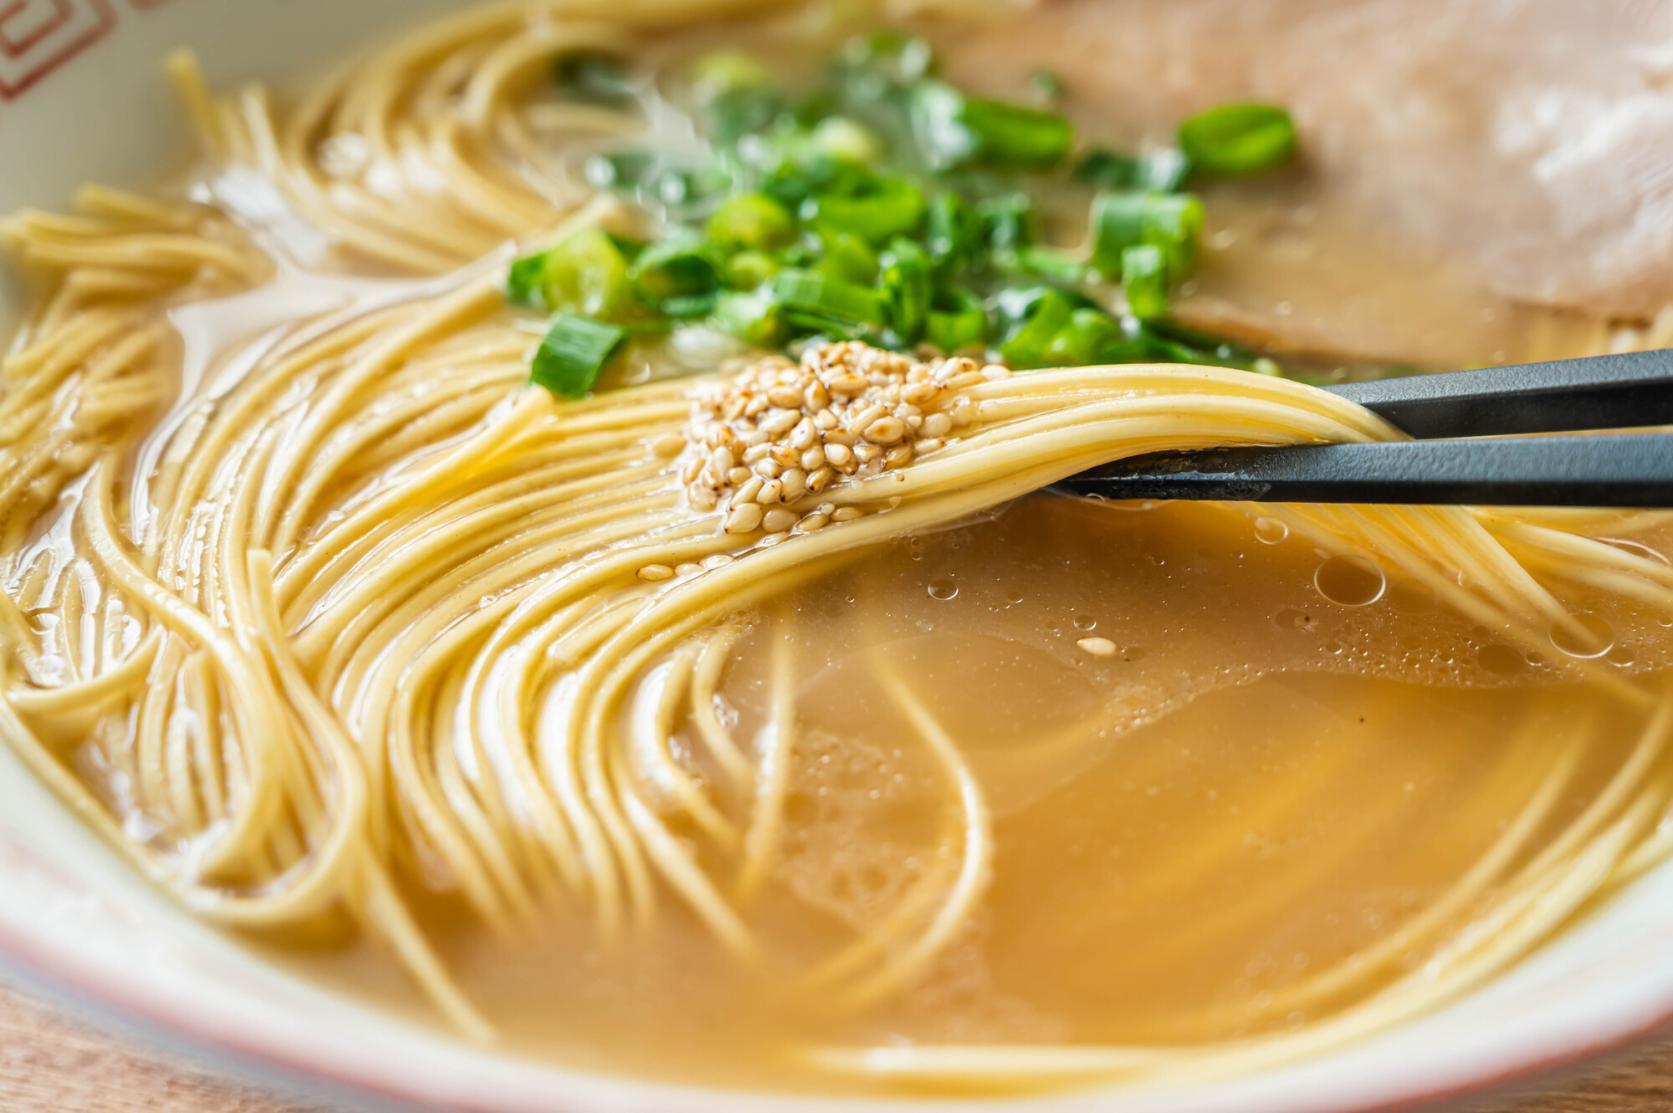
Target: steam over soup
[548, 530]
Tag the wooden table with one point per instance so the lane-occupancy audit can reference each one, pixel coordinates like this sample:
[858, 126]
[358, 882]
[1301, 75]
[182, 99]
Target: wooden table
[52, 1064]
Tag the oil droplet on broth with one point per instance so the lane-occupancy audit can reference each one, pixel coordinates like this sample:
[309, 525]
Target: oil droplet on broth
[1085, 623]
[1589, 636]
[1271, 531]
[1501, 659]
[943, 589]
[1350, 582]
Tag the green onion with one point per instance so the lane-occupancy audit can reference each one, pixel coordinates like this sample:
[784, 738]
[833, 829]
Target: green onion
[752, 317]
[1163, 171]
[592, 76]
[522, 282]
[846, 256]
[887, 207]
[1044, 262]
[1170, 221]
[573, 354]
[847, 140]
[817, 298]
[906, 284]
[951, 130]
[1007, 222]
[674, 269]
[956, 321]
[748, 269]
[950, 228]
[751, 220]
[585, 272]
[1238, 138]
[1144, 278]
[1016, 135]
[1048, 312]
[1088, 338]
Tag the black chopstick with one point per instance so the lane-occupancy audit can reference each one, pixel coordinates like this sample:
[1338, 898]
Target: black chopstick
[1592, 392]
[1620, 470]
[1632, 389]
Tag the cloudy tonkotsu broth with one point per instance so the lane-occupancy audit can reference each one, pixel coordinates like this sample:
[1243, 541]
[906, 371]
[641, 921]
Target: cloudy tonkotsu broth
[604, 724]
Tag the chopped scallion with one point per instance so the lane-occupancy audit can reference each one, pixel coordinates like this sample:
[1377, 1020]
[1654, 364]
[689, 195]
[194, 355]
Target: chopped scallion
[672, 270]
[846, 256]
[847, 140]
[1007, 222]
[1088, 338]
[886, 208]
[753, 317]
[1163, 170]
[753, 221]
[810, 294]
[574, 353]
[906, 283]
[956, 321]
[1170, 221]
[748, 269]
[585, 272]
[1029, 342]
[1238, 138]
[950, 228]
[1016, 135]
[1144, 278]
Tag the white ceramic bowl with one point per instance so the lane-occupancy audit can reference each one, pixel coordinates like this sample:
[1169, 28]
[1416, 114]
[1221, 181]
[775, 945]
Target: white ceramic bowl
[82, 97]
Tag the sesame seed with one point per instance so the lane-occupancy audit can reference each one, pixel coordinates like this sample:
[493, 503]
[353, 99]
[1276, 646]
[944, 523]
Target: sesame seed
[669, 444]
[778, 519]
[846, 513]
[779, 430]
[744, 517]
[654, 573]
[1098, 647]
[886, 430]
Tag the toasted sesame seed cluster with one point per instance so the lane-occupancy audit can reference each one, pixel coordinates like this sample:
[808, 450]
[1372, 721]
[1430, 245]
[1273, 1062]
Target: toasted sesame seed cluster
[763, 444]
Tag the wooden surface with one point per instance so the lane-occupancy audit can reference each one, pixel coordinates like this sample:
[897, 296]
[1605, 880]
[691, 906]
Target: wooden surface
[51, 1064]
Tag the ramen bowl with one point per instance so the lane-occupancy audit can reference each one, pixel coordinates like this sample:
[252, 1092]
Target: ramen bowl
[83, 98]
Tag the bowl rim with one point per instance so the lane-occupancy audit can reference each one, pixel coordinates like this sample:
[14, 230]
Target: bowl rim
[57, 976]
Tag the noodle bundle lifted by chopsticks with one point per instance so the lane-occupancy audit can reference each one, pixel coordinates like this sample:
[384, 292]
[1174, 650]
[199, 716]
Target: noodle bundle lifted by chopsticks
[355, 608]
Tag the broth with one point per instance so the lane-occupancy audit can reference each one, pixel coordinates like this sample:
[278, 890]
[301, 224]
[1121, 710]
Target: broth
[1260, 784]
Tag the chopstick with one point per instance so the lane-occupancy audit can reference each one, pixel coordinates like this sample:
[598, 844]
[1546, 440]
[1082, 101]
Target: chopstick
[1626, 390]
[1622, 469]
[1564, 395]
